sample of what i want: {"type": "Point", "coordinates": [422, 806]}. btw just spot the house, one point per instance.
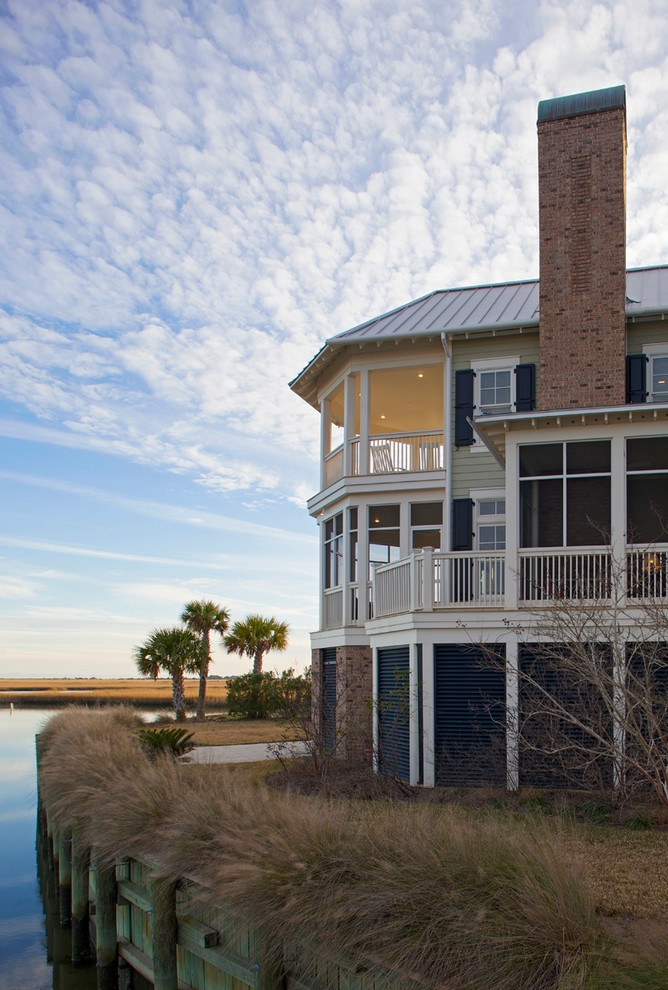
{"type": "Point", "coordinates": [486, 450]}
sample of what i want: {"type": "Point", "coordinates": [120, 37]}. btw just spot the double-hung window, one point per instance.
{"type": "Point", "coordinates": [334, 551]}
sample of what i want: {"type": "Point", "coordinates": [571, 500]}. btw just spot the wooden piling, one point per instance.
{"type": "Point", "coordinates": [65, 877]}
{"type": "Point", "coordinates": [105, 924]}
{"type": "Point", "coordinates": [80, 866]}
{"type": "Point", "coordinates": [165, 974]}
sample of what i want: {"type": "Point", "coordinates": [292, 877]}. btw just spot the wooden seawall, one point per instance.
{"type": "Point", "coordinates": [130, 921]}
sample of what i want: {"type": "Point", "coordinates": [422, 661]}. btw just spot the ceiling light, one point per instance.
{"type": "Point", "coordinates": [420, 375]}
{"type": "Point", "coordinates": [382, 417]}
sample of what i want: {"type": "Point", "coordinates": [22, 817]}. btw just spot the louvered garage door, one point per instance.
{"type": "Point", "coordinates": [394, 743]}
{"type": "Point", "coordinates": [329, 698]}
{"type": "Point", "coordinates": [470, 731]}
{"type": "Point", "coordinates": [553, 751]}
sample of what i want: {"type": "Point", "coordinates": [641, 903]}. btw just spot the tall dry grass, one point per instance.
{"type": "Point", "coordinates": [431, 893]}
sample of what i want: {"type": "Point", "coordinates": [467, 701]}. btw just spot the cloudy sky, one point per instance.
{"type": "Point", "coordinates": [194, 195]}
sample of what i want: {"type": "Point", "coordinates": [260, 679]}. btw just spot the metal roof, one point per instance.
{"type": "Point", "coordinates": [477, 308]}
{"type": "Point", "coordinates": [613, 98]}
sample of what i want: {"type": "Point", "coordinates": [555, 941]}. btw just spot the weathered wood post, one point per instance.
{"type": "Point", "coordinates": [163, 895]}
{"type": "Point", "coordinates": [105, 923]}
{"type": "Point", "coordinates": [80, 867]}
{"type": "Point", "coordinates": [65, 877]}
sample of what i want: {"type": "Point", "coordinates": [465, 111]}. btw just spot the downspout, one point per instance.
{"type": "Point", "coordinates": [447, 442]}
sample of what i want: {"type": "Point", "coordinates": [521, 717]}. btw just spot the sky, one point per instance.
{"type": "Point", "coordinates": [194, 196]}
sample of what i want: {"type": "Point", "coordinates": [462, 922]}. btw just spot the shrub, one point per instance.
{"type": "Point", "coordinates": [261, 695]}
{"type": "Point", "coordinates": [170, 740]}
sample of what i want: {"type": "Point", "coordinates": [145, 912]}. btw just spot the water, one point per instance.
{"type": "Point", "coordinates": [34, 955]}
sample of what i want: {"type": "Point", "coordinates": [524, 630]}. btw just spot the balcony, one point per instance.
{"type": "Point", "coordinates": [430, 581]}
{"type": "Point", "coordinates": [391, 453]}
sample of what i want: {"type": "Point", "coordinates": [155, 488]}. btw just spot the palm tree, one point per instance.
{"type": "Point", "coordinates": [203, 618]}
{"type": "Point", "coordinates": [176, 651]}
{"type": "Point", "coordinates": [256, 636]}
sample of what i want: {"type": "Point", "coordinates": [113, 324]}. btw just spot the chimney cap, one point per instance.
{"type": "Point", "coordinates": [595, 101]}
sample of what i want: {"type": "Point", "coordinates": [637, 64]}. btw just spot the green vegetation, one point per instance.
{"type": "Point", "coordinates": [176, 651]}
{"type": "Point", "coordinates": [170, 740]}
{"type": "Point", "coordinates": [261, 695]}
{"type": "Point", "coordinates": [203, 618]}
{"type": "Point", "coordinates": [256, 636]}
{"type": "Point", "coordinates": [436, 894]}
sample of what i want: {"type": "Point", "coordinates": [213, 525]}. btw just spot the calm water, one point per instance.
{"type": "Point", "coordinates": [34, 955]}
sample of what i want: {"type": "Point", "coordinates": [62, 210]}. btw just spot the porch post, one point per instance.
{"type": "Point", "coordinates": [512, 528]}
{"type": "Point", "coordinates": [350, 385]}
{"type": "Point", "coordinates": [325, 436]}
{"type": "Point", "coordinates": [428, 579]}
{"type": "Point", "coordinates": [364, 423]}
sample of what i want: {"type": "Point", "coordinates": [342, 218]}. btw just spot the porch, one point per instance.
{"type": "Point", "coordinates": [429, 580]}
{"type": "Point", "coordinates": [388, 453]}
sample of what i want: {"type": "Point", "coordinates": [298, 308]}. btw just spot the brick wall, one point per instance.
{"type": "Point", "coordinates": [354, 689]}
{"type": "Point", "coordinates": [581, 181]}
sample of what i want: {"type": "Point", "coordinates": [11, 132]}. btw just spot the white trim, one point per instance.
{"type": "Point", "coordinates": [480, 365]}
{"type": "Point", "coordinates": [652, 351]}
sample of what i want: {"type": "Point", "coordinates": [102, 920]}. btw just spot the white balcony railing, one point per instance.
{"type": "Point", "coordinates": [431, 580]}
{"type": "Point", "coordinates": [333, 467]}
{"type": "Point", "coordinates": [332, 613]}
{"type": "Point", "coordinates": [396, 453]}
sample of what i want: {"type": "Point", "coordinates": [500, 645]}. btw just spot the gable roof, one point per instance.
{"type": "Point", "coordinates": [478, 308]}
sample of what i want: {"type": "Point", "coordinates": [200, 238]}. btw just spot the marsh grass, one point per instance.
{"type": "Point", "coordinates": [436, 894]}
{"type": "Point", "coordinates": [136, 691]}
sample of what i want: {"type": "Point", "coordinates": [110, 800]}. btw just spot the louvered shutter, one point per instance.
{"type": "Point", "coordinates": [469, 716]}
{"type": "Point", "coordinates": [462, 524]}
{"type": "Point", "coordinates": [329, 699]}
{"type": "Point", "coordinates": [463, 408]}
{"type": "Point", "coordinates": [525, 387]}
{"type": "Point", "coordinates": [636, 378]}
{"type": "Point", "coordinates": [393, 721]}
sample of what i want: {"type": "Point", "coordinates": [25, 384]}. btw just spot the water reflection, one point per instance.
{"type": "Point", "coordinates": [34, 949]}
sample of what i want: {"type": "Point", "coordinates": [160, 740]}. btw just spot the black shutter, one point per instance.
{"type": "Point", "coordinates": [463, 408]}
{"type": "Point", "coordinates": [636, 378]}
{"type": "Point", "coordinates": [462, 524]}
{"type": "Point", "coordinates": [525, 387]}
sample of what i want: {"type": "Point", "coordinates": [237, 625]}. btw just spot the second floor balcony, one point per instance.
{"type": "Point", "coordinates": [389, 453]}
{"type": "Point", "coordinates": [429, 581]}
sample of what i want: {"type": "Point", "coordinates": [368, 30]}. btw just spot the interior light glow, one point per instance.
{"type": "Point", "coordinates": [420, 375]}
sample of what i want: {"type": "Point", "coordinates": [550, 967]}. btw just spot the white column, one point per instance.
{"type": "Point", "coordinates": [325, 436]}
{"type": "Point", "coordinates": [350, 385]}
{"type": "Point", "coordinates": [413, 723]}
{"type": "Point", "coordinates": [512, 715]}
{"type": "Point", "coordinates": [364, 422]}
{"type": "Point", "coordinates": [618, 509]}
{"type": "Point", "coordinates": [512, 526]}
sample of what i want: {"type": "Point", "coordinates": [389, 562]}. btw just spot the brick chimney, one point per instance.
{"type": "Point", "coordinates": [582, 215]}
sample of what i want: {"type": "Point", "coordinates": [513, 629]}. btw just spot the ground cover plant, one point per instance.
{"type": "Point", "coordinates": [443, 896]}
{"type": "Point", "coordinates": [48, 692]}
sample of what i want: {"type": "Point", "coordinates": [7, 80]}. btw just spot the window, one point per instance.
{"type": "Point", "coordinates": [494, 390]}
{"type": "Point", "coordinates": [657, 372]}
{"type": "Point", "coordinates": [659, 378]}
{"type": "Point", "coordinates": [647, 490]}
{"type": "Point", "coordinates": [426, 522]}
{"type": "Point", "coordinates": [353, 544]}
{"type": "Point", "coordinates": [565, 494]}
{"type": "Point", "coordinates": [490, 524]}
{"type": "Point", "coordinates": [333, 551]}
{"type": "Point", "coordinates": [383, 534]}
